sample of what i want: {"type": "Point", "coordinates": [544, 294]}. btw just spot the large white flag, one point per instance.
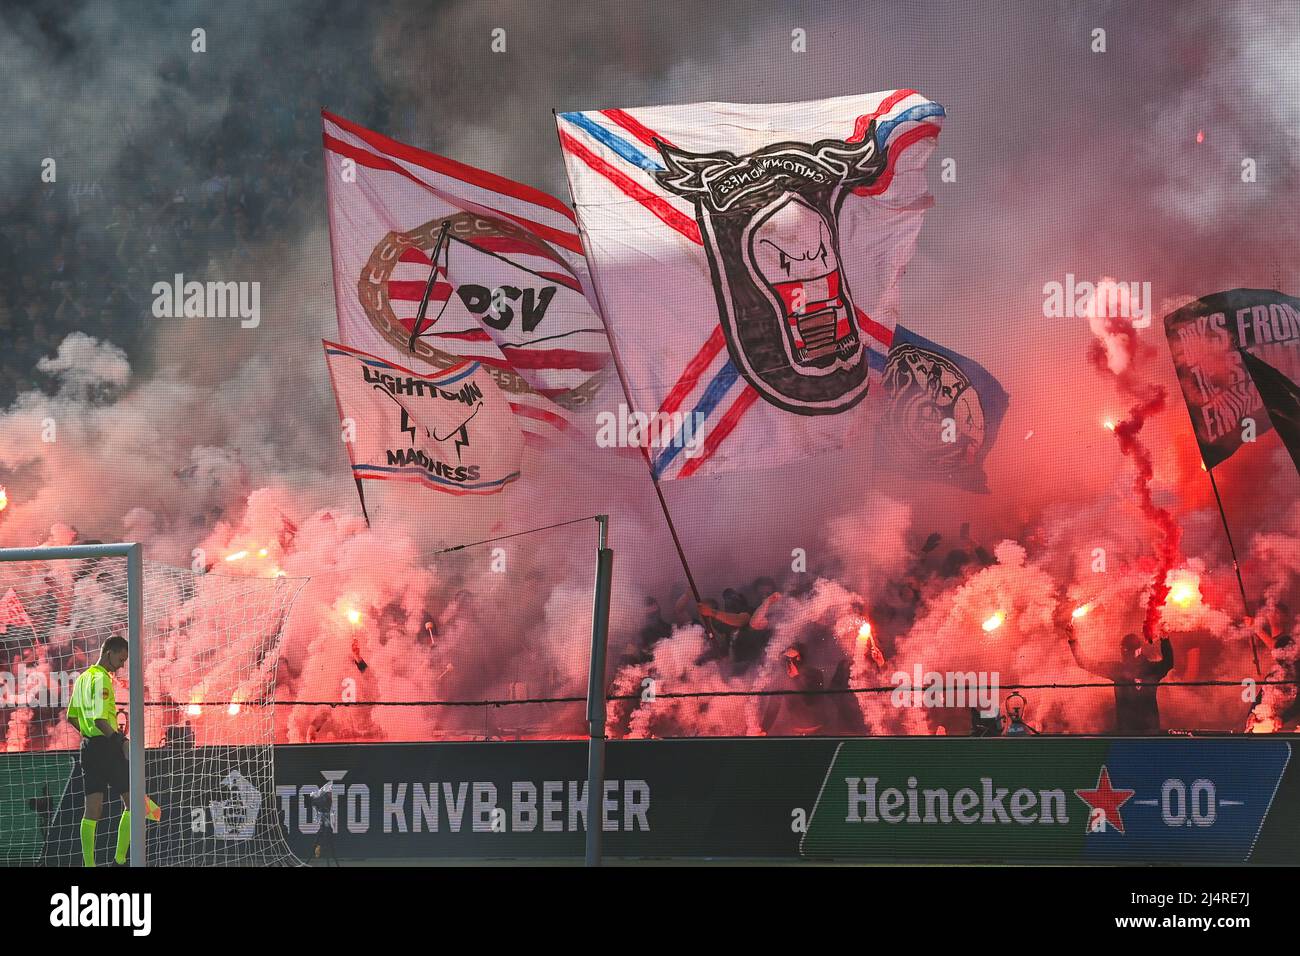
{"type": "Point", "coordinates": [747, 260]}
{"type": "Point", "coordinates": [451, 430]}
{"type": "Point", "coordinates": [510, 273]}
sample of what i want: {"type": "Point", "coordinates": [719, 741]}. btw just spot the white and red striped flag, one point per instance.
{"type": "Point", "coordinates": [509, 292]}
{"type": "Point", "coordinates": [748, 260]}
{"type": "Point", "coordinates": [12, 613]}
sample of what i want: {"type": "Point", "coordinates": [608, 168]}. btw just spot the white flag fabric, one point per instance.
{"type": "Point", "coordinates": [747, 260]}
{"type": "Point", "coordinates": [452, 430]}
{"type": "Point", "coordinates": [509, 290]}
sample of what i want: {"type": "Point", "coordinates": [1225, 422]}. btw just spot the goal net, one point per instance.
{"type": "Point", "coordinates": [209, 647]}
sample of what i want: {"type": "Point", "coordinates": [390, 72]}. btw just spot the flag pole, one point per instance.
{"type": "Point", "coordinates": [362, 495]}
{"type": "Point", "coordinates": [596, 691]}
{"type": "Point", "coordinates": [428, 287]}
{"type": "Point", "coordinates": [1236, 566]}
{"type": "Point", "coordinates": [654, 479]}
{"type": "Point", "coordinates": [1254, 647]}
{"type": "Point", "coordinates": [627, 394]}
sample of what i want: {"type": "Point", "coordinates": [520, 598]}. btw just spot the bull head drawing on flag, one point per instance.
{"type": "Point", "coordinates": [770, 224]}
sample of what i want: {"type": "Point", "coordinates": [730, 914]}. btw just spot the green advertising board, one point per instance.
{"type": "Point", "coordinates": [872, 800]}
{"type": "Point", "coordinates": [30, 787]}
{"type": "Point", "coordinates": [1082, 800]}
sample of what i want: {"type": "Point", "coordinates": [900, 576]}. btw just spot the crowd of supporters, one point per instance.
{"type": "Point", "coordinates": [811, 676]}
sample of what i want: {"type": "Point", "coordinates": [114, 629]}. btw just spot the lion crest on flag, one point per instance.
{"type": "Point", "coordinates": [928, 389]}
{"type": "Point", "coordinates": [770, 224]}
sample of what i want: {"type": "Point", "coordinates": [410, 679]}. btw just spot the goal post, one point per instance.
{"type": "Point", "coordinates": [135, 656]}
{"type": "Point", "coordinates": [203, 652]}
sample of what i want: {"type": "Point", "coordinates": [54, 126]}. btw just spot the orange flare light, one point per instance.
{"type": "Point", "coordinates": [1264, 725]}
{"type": "Point", "coordinates": [233, 709]}
{"type": "Point", "coordinates": [867, 645]}
{"type": "Point", "coordinates": [994, 621]}
{"type": "Point", "coordinates": [237, 556]}
{"type": "Point", "coordinates": [4, 498]}
{"type": "Point", "coordinates": [194, 710]}
{"type": "Point", "coordinates": [353, 616]}
{"type": "Point", "coordinates": [1081, 610]}
{"type": "Point", "coordinates": [1184, 589]}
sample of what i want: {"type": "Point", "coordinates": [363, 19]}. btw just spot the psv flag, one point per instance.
{"type": "Point", "coordinates": [747, 261]}
{"type": "Point", "coordinates": [450, 430]}
{"type": "Point", "coordinates": [509, 286]}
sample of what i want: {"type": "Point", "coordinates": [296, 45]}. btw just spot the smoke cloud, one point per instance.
{"type": "Point", "coordinates": [203, 439]}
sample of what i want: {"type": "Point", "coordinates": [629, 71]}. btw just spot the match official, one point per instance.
{"type": "Point", "coordinates": [104, 760]}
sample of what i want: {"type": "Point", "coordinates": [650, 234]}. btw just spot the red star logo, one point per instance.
{"type": "Point", "coordinates": [1106, 799]}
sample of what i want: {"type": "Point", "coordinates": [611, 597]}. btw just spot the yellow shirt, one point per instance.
{"type": "Point", "coordinates": [92, 700]}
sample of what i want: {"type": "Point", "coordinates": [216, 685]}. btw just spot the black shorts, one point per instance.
{"type": "Point", "coordinates": [104, 765]}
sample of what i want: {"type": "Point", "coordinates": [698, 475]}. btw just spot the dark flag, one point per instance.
{"type": "Point", "coordinates": [1207, 338]}
{"type": "Point", "coordinates": [1281, 398]}
{"type": "Point", "coordinates": [942, 412]}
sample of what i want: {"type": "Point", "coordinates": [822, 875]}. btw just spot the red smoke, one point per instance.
{"type": "Point", "coordinates": [1168, 554]}
{"type": "Point", "coordinates": [1116, 350]}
